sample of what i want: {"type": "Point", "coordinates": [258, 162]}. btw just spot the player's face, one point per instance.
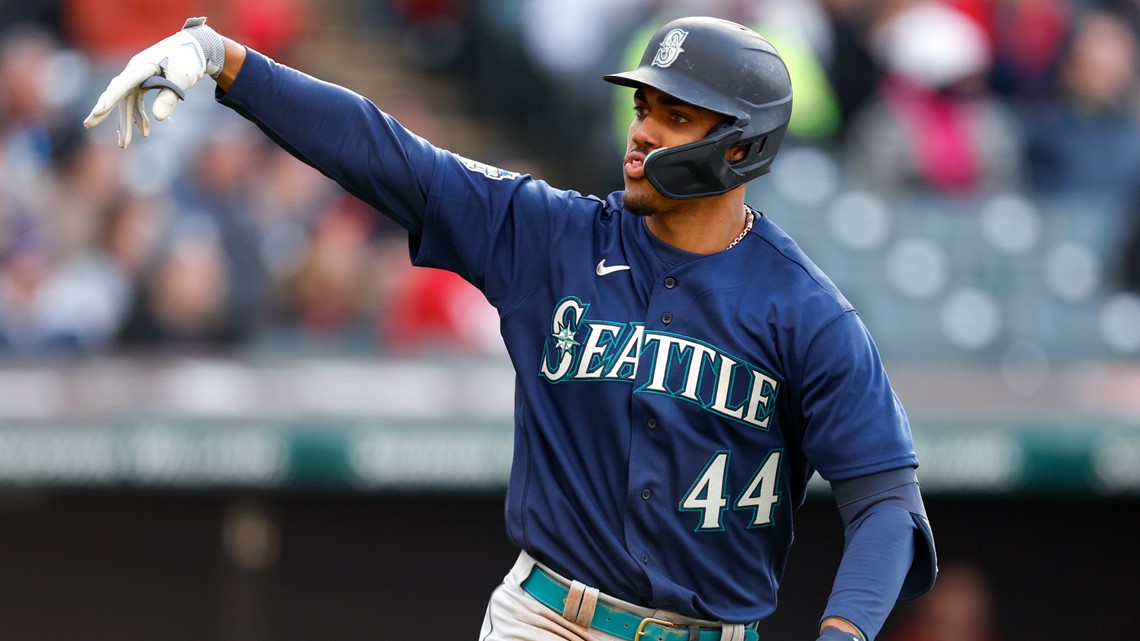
{"type": "Point", "coordinates": [659, 121]}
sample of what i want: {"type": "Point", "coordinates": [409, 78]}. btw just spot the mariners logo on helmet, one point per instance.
{"type": "Point", "coordinates": [670, 48]}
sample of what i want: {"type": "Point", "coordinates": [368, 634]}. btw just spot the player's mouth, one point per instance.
{"type": "Point", "coordinates": [635, 164]}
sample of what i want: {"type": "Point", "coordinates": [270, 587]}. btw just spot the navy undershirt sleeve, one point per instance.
{"type": "Point", "coordinates": [886, 548]}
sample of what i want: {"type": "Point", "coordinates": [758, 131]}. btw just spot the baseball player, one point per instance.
{"type": "Point", "coordinates": [682, 367]}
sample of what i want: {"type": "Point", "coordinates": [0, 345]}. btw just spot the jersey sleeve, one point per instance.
{"type": "Point", "coordinates": [338, 132]}
{"type": "Point", "coordinates": [490, 226]}
{"type": "Point", "coordinates": [854, 422]}
{"type": "Point", "coordinates": [493, 227]}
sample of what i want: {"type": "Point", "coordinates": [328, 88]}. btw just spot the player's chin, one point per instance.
{"type": "Point", "coordinates": [640, 198]}
{"type": "Point", "coordinates": [638, 184]}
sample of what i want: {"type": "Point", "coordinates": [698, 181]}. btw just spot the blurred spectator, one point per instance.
{"type": "Point", "coordinates": [288, 200]}
{"type": "Point", "coordinates": [220, 187]}
{"type": "Point", "coordinates": [569, 39]}
{"type": "Point", "coordinates": [958, 608]}
{"type": "Point", "coordinates": [45, 310]}
{"type": "Point", "coordinates": [28, 125]}
{"type": "Point", "coordinates": [132, 227]}
{"type": "Point", "coordinates": [852, 72]}
{"type": "Point", "coordinates": [934, 126]}
{"type": "Point", "coordinates": [1086, 141]}
{"type": "Point", "coordinates": [333, 287]}
{"type": "Point", "coordinates": [1027, 37]}
{"type": "Point", "coordinates": [83, 185]}
{"type": "Point", "coordinates": [431, 30]}
{"type": "Point", "coordinates": [183, 302]}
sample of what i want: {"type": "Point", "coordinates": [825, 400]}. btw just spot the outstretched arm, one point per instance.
{"type": "Point", "coordinates": [434, 194]}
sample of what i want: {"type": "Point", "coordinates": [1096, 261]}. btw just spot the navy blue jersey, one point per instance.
{"type": "Point", "coordinates": [670, 407]}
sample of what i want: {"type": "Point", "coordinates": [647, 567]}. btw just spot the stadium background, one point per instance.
{"type": "Point", "coordinates": [228, 410]}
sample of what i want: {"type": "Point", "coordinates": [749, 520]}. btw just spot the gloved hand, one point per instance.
{"type": "Point", "coordinates": [172, 66]}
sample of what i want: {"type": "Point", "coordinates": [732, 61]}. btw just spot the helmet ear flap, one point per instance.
{"type": "Point", "coordinates": [748, 150]}
{"type": "Point", "coordinates": [753, 156]}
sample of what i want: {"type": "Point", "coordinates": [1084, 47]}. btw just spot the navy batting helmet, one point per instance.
{"type": "Point", "coordinates": [726, 68]}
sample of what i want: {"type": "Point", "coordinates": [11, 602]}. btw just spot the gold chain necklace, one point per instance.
{"type": "Point", "coordinates": [747, 228]}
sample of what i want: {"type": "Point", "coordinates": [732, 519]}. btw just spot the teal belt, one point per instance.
{"type": "Point", "coordinates": [625, 625]}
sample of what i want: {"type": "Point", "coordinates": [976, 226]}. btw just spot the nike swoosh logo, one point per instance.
{"type": "Point", "coordinates": [604, 269]}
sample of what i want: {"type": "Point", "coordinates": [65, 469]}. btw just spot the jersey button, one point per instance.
{"type": "Point", "coordinates": [644, 558]}
{"type": "Point", "coordinates": [670, 283]}
{"type": "Point", "coordinates": [666, 318]}
{"type": "Point", "coordinates": [646, 493]}
{"type": "Point", "coordinates": [651, 423]}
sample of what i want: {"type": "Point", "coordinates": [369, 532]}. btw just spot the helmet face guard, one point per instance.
{"type": "Point", "coordinates": [693, 170]}
{"type": "Point", "coordinates": [728, 69]}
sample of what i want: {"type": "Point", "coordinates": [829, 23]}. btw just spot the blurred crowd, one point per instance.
{"type": "Point", "coordinates": [215, 239]}
{"type": "Point", "coordinates": [208, 239]}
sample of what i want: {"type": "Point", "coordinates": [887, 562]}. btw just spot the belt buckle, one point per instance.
{"type": "Point", "coordinates": [641, 626]}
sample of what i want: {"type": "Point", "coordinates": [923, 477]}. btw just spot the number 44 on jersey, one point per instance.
{"type": "Point", "coordinates": [709, 494]}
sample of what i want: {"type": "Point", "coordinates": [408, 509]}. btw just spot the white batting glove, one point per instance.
{"type": "Point", "coordinates": [172, 66]}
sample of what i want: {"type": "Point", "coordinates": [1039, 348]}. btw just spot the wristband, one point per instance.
{"type": "Point", "coordinates": [835, 634]}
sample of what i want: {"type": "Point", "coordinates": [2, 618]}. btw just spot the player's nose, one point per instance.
{"type": "Point", "coordinates": [642, 133]}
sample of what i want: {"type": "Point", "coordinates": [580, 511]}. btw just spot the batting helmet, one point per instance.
{"type": "Point", "coordinates": [726, 68]}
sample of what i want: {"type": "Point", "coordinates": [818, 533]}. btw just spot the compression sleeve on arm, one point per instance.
{"type": "Point", "coordinates": [338, 132]}
{"type": "Point", "coordinates": [889, 549]}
